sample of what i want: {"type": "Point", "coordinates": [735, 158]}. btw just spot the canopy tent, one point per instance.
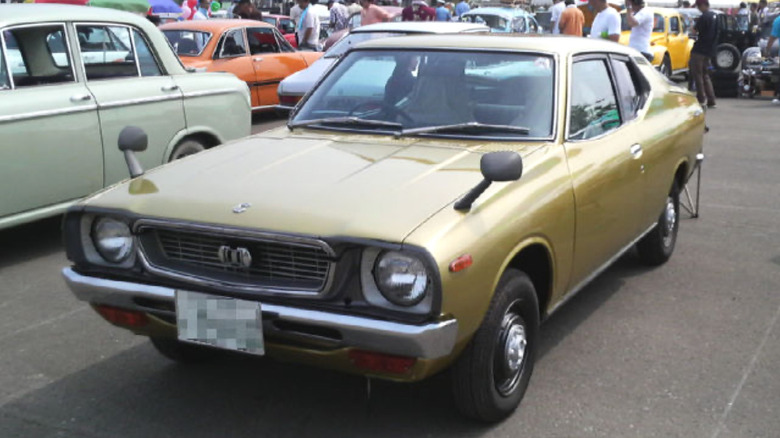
{"type": "Point", "coordinates": [164, 7]}
{"type": "Point", "coordinates": [141, 6]}
{"type": "Point", "coordinates": [65, 2]}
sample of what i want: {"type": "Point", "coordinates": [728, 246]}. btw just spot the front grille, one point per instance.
{"type": "Point", "coordinates": [246, 262]}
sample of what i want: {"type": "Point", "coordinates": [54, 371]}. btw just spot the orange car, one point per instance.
{"type": "Point", "coordinates": [252, 50]}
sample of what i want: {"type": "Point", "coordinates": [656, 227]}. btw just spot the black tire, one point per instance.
{"type": "Point", "coordinates": [185, 148]}
{"type": "Point", "coordinates": [666, 66]}
{"type": "Point", "coordinates": [657, 246]}
{"type": "Point", "coordinates": [490, 377]}
{"type": "Point", "coordinates": [182, 352]}
{"type": "Point", "coordinates": [727, 58]}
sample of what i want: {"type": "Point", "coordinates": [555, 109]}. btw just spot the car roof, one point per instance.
{"type": "Point", "coordinates": [14, 14]}
{"type": "Point", "coordinates": [510, 12]}
{"type": "Point", "coordinates": [562, 45]}
{"type": "Point", "coordinates": [420, 26]}
{"type": "Point", "coordinates": [214, 26]}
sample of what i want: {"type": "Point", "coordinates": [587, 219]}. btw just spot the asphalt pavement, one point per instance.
{"type": "Point", "coordinates": [689, 349]}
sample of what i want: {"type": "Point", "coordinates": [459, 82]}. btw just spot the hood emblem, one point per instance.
{"type": "Point", "coordinates": [235, 257]}
{"type": "Point", "coordinates": [242, 207]}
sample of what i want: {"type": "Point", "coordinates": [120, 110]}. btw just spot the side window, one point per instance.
{"type": "Point", "coordinates": [287, 26]}
{"type": "Point", "coordinates": [674, 25]}
{"type": "Point", "coordinates": [262, 40]}
{"type": "Point", "coordinates": [593, 109]}
{"type": "Point", "coordinates": [5, 81]}
{"type": "Point", "coordinates": [38, 56]}
{"type": "Point", "coordinates": [658, 23]}
{"type": "Point", "coordinates": [146, 60]}
{"type": "Point", "coordinates": [232, 44]}
{"type": "Point", "coordinates": [532, 26]}
{"type": "Point", "coordinates": [107, 52]}
{"type": "Point", "coordinates": [632, 88]}
{"type": "Point", "coordinates": [518, 25]}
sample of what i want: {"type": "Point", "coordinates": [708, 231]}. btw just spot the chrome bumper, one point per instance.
{"type": "Point", "coordinates": [428, 341]}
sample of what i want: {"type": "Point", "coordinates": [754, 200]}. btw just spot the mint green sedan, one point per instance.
{"type": "Point", "coordinates": [71, 78]}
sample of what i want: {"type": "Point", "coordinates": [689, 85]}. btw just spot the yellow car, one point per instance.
{"type": "Point", "coordinates": [396, 228]}
{"type": "Point", "coordinates": [669, 42]}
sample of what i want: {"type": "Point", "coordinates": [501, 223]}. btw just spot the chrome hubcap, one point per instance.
{"type": "Point", "coordinates": [724, 59]}
{"type": "Point", "coordinates": [670, 221]}
{"type": "Point", "coordinates": [515, 347]}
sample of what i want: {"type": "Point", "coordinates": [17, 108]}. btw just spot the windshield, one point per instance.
{"type": "Point", "coordinates": [494, 22]}
{"type": "Point", "coordinates": [354, 38]}
{"type": "Point", "coordinates": [187, 42]}
{"type": "Point", "coordinates": [396, 92]}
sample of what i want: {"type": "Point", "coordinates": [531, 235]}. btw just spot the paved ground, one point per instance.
{"type": "Point", "coordinates": [686, 350]}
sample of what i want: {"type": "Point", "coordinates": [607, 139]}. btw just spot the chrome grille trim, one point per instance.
{"type": "Point", "coordinates": [283, 258]}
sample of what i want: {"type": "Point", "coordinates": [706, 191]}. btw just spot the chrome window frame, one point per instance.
{"type": "Point", "coordinates": [150, 47]}
{"type": "Point", "coordinates": [130, 28]}
{"type": "Point", "coordinates": [6, 64]}
{"type": "Point", "coordinates": [176, 52]}
{"type": "Point", "coordinates": [577, 57]}
{"type": "Point", "coordinates": [68, 51]}
{"type": "Point", "coordinates": [556, 59]}
{"type": "Point", "coordinates": [218, 47]}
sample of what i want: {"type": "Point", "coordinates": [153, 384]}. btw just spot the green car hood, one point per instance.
{"type": "Point", "coordinates": [308, 183]}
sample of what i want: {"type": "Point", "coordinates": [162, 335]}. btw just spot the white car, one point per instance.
{"type": "Point", "coordinates": [295, 86]}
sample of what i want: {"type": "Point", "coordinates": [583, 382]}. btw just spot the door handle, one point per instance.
{"type": "Point", "coordinates": [636, 150]}
{"type": "Point", "coordinates": [80, 98]}
{"type": "Point", "coordinates": [257, 59]}
{"type": "Point", "coordinates": [169, 87]}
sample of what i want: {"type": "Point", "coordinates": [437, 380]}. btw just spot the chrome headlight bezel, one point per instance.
{"type": "Point", "coordinates": [97, 255]}
{"type": "Point", "coordinates": [372, 293]}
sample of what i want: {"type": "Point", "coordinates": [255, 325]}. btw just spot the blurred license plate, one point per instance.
{"type": "Point", "coordinates": [220, 322]}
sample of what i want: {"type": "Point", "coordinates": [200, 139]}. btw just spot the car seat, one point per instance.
{"type": "Point", "coordinates": [438, 97]}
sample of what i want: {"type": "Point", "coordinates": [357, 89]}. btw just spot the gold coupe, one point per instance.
{"type": "Point", "coordinates": [427, 206]}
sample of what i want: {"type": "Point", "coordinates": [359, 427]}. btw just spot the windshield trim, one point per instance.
{"type": "Point", "coordinates": [554, 131]}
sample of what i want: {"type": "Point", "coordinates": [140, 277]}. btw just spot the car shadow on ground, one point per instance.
{"type": "Point", "coordinates": [30, 241]}
{"type": "Point", "coordinates": [139, 393]}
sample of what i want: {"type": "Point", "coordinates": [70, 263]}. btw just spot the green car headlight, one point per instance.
{"type": "Point", "coordinates": [112, 239]}
{"type": "Point", "coordinates": [401, 278]}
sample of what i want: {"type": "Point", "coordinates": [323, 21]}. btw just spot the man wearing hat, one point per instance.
{"type": "Point", "coordinates": [339, 16]}
{"type": "Point", "coordinates": [706, 31]}
{"type": "Point", "coordinates": [442, 13]}
{"type": "Point", "coordinates": [423, 12]}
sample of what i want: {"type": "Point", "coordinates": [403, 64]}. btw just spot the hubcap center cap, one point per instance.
{"type": "Point", "coordinates": [515, 347]}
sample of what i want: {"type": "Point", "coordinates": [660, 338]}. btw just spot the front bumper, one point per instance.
{"type": "Point", "coordinates": [427, 341]}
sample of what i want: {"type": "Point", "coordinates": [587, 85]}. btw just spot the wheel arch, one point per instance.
{"type": "Point", "coordinates": [681, 173]}
{"type": "Point", "coordinates": [535, 258]}
{"type": "Point", "coordinates": [208, 137]}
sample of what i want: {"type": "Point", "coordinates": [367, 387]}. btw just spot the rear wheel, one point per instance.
{"type": "Point", "coordinates": [185, 148]}
{"type": "Point", "coordinates": [666, 66]}
{"type": "Point", "coordinates": [491, 375]}
{"type": "Point", "coordinates": [657, 246]}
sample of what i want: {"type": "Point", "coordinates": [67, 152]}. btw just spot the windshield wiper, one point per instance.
{"type": "Point", "coordinates": [356, 121]}
{"type": "Point", "coordinates": [467, 127]}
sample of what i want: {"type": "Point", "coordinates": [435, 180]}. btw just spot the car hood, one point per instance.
{"type": "Point", "coordinates": [310, 183]}
{"type": "Point", "coordinates": [299, 83]}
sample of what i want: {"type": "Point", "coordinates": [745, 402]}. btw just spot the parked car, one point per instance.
{"type": "Point", "coordinates": [503, 19]}
{"type": "Point", "coordinates": [733, 39]}
{"type": "Point", "coordinates": [429, 203]}
{"type": "Point", "coordinates": [294, 87]}
{"type": "Point", "coordinates": [285, 25]}
{"type": "Point", "coordinates": [669, 41]}
{"type": "Point", "coordinates": [70, 79]}
{"type": "Point", "coordinates": [252, 50]}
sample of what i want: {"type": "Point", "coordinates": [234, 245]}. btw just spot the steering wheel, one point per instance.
{"type": "Point", "coordinates": [382, 106]}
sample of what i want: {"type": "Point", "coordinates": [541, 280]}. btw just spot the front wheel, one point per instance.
{"type": "Point", "coordinates": [490, 377]}
{"type": "Point", "coordinates": [657, 246]}
{"type": "Point", "coordinates": [185, 148]}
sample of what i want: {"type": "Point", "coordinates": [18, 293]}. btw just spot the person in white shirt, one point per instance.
{"type": "Point", "coordinates": [606, 25]}
{"type": "Point", "coordinates": [308, 30]}
{"type": "Point", "coordinates": [555, 15]}
{"type": "Point", "coordinates": [640, 20]}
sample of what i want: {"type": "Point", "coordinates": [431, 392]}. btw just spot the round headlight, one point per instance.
{"type": "Point", "coordinates": [401, 278]}
{"type": "Point", "coordinates": [112, 239]}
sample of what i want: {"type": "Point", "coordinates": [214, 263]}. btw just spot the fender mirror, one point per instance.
{"type": "Point", "coordinates": [133, 139]}
{"type": "Point", "coordinates": [500, 166]}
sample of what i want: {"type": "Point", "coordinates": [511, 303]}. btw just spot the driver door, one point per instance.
{"type": "Point", "coordinates": [273, 59]}
{"type": "Point", "coordinates": [232, 56]}
{"type": "Point", "coordinates": [678, 43]}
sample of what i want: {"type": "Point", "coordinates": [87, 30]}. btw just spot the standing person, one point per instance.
{"type": "Point", "coordinates": [203, 7]}
{"type": "Point", "coordinates": [339, 16]}
{"type": "Point", "coordinates": [572, 19]}
{"type": "Point", "coordinates": [461, 8]}
{"type": "Point", "coordinates": [606, 25]}
{"type": "Point", "coordinates": [706, 31]}
{"type": "Point", "coordinates": [555, 15]}
{"type": "Point", "coordinates": [407, 13]}
{"type": "Point", "coordinates": [442, 13]}
{"type": "Point", "coordinates": [762, 10]}
{"type": "Point", "coordinates": [308, 29]}
{"type": "Point", "coordinates": [774, 36]}
{"type": "Point", "coordinates": [640, 20]}
{"type": "Point", "coordinates": [246, 10]}
{"type": "Point", "coordinates": [372, 13]}
{"type": "Point", "coordinates": [423, 12]}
